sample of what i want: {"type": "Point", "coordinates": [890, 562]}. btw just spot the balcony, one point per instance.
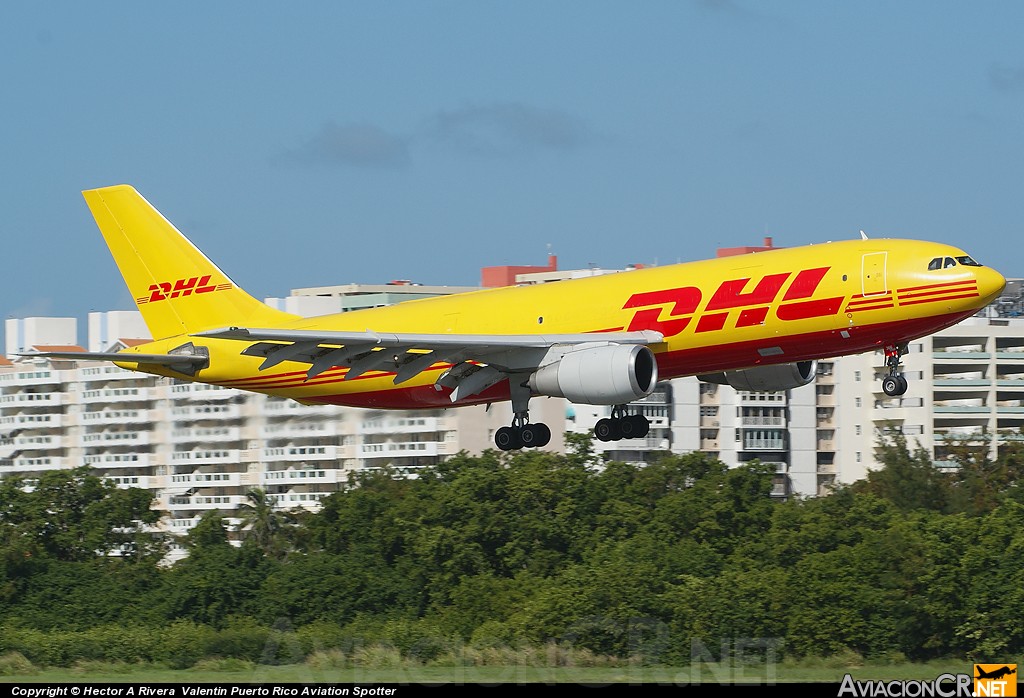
{"type": "Point", "coordinates": [216, 411]}
{"type": "Point", "coordinates": [126, 481]}
{"type": "Point", "coordinates": [198, 479]}
{"type": "Point", "coordinates": [299, 477]}
{"type": "Point", "coordinates": [116, 395]}
{"type": "Point", "coordinates": [205, 503]}
{"type": "Point", "coordinates": [409, 425]}
{"type": "Point", "coordinates": [299, 429]}
{"type": "Point", "coordinates": [119, 460]}
{"type": "Point", "coordinates": [954, 356]}
{"type": "Point", "coordinates": [762, 421]}
{"type": "Point", "coordinates": [206, 434]}
{"type": "Point", "coordinates": [22, 464]}
{"type": "Point", "coordinates": [31, 421]}
{"type": "Point", "coordinates": [206, 457]}
{"type": "Point", "coordinates": [755, 398]}
{"type": "Point", "coordinates": [32, 400]}
{"type": "Point", "coordinates": [298, 499]}
{"type": "Point", "coordinates": [107, 417]}
{"type": "Point", "coordinates": [26, 378]}
{"type": "Point", "coordinates": [764, 444]}
{"type": "Point", "coordinates": [300, 453]}
{"type": "Point", "coordinates": [29, 443]}
{"type": "Point", "coordinates": [107, 373]}
{"type": "Point", "coordinates": [398, 449]}
{"type": "Point", "coordinates": [115, 438]}
{"type": "Point", "coordinates": [202, 391]}
{"type": "Point", "coordinates": [288, 408]}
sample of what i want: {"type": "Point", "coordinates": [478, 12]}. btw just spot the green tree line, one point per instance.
{"type": "Point", "coordinates": [657, 562]}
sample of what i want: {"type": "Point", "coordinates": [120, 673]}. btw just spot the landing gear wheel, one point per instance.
{"type": "Point", "coordinates": [894, 386]}
{"type": "Point", "coordinates": [634, 426]}
{"type": "Point", "coordinates": [508, 438]}
{"type": "Point", "coordinates": [535, 435]}
{"type": "Point", "coordinates": [608, 429]}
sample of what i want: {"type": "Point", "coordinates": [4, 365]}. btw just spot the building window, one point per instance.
{"type": "Point", "coordinates": [858, 456]}
{"type": "Point", "coordinates": [856, 402]}
{"type": "Point", "coordinates": [856, 376]}
{"type": "Point", "coordinates": [858, 430]}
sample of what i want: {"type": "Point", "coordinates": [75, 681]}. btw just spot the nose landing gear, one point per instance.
{"type": "Point", "coordinates": [894, 384]}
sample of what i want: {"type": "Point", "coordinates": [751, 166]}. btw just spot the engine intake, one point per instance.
{"type": "Point", "coordinates": [765, 378]}
{"type": "Point", "coordinates": [611, 374]}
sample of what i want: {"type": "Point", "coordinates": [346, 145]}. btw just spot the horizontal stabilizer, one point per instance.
{"type": "Point", "coordinates": [182, 363]}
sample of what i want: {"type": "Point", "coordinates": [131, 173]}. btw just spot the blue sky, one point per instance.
{"type": "Point", "coordinates": [315, 143]}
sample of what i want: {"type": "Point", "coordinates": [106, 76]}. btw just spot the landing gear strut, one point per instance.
{"type": "Point", "coordinates": [521, 433]}
{"type": "Point", "coordinates": [622, 425]}
{"type": "Point", "coordinates": [894, 384]}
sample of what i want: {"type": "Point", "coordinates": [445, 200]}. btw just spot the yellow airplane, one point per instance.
{"type": "Point", "coordinates": [756, 322]}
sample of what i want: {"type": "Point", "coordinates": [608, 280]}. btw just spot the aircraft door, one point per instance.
{"type": "Point", "coordinates": [873, 273]}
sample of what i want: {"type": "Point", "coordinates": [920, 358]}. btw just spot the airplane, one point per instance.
{"type": "Point", "coordinates": [757, 322]}
{"type": "Point", "coordinates": [996, 673]}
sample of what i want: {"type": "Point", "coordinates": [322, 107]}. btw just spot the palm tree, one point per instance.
{"type": "Point", "coordinates": [262, 524]}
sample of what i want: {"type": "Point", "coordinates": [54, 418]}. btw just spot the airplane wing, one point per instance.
{"type": "Point", "coordinates": [476, 361]}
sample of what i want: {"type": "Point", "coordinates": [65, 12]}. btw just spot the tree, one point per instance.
{"type": "Point", "coordinates": [263, 525]}
{"type": "Point", "coordinates": [908, 480]}
{"type": "Point", "coordinates": [73, 515]}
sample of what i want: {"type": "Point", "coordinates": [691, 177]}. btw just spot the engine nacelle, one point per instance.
{"type": "Point", "coordinates": [765, 378]}
{"type": "Point", "coordinates": [611, 374]}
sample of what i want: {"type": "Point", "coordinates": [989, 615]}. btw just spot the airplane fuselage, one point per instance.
{"type": "Point", "coordinates": [772, 307]}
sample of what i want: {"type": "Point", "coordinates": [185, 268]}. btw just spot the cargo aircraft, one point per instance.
{"type": "Point", "coordinates": [756, 322]}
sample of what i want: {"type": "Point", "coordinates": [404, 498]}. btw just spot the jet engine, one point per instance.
{"type": "Point", "coordinates": [610, 374]}
{"type": "Point", "coordinates": [765, 378]}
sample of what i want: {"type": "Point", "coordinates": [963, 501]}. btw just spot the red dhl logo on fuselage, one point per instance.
{"type": "Point", "coordinates": [732, 299]}
{"type": "Point", "coordinates": [750, 308]}
{"type": "Point", "coordinates": [181, 287]}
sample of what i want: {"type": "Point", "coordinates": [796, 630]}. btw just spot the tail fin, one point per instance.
{"type": "Point", "coordinates": [177, 289]}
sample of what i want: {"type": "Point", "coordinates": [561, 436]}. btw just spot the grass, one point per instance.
{"type": "Point", "coordinates": [325, 671]}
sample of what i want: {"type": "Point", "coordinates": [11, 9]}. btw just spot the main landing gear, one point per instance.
{"type": "Point", "coordinates": [622, 425]}
{"type": "Point", "coordinates": [894, 384]}
{"type": "Point", "coordinates": [522, 434]}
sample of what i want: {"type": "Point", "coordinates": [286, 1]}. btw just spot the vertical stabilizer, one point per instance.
{"type": "Point", "coordinates": [177, 289]}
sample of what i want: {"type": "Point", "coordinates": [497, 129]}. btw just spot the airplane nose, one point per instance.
{"type": "Point", "coordinates": [990, 283]}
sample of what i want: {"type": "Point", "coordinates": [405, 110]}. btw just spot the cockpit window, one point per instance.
{"type": "Point", "coordinates": [950, 262]}
{"type": "Point", "coordinates": [967, 261]}
{"type": "Point", "coordinates": [935, 264]}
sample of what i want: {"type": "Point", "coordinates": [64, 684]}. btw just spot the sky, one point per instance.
{"type": "Point", "coordinates": [319, 143]}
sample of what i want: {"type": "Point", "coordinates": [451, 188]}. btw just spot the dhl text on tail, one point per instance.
{"type": "Point", "coordinates": [756, 322]}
